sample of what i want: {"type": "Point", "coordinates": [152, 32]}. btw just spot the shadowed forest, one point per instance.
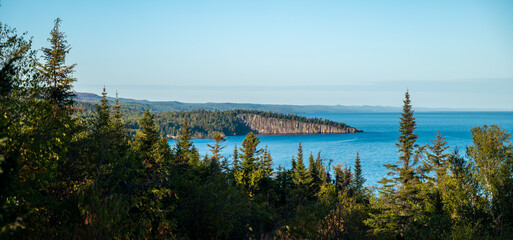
{"type": "Point", "coordinates": [64, 176]}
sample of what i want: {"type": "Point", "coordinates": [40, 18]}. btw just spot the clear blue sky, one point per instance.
{"type": "Point", "coordinates": [447, 53]}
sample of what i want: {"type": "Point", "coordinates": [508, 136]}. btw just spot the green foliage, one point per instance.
{"type": "Point", "coordinates": [58, 76]}
{"type": "Point", "coordinates": [185, 153]}
{"type": "Point", "coordinates": [299, 171]}
{"type": "Point", "coordinates": [397, 213]}
{"type": "Point", "coordinates": [492, 156]}
{"type": "Point", "coordinates": [70, 175]}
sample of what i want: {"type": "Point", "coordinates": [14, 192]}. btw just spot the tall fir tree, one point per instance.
{"type": "Point", "coordinates": [400, 201]}
{"type": "Point", "coordinates": [299, 172]}
{"type": "Point", "coordinates": [185, 153]}
{"type": "Point", "coordinates": [250, 173]}
{"type": "Point", "coordinates": [216, 150]}
{"type": "Point", "coordinates": [236, 160]}
{"type": "Point", "coordinates": [267, 163]}
{"type": "Point", "coordinates": [58, 76]}
{"type": "Point", "coordinates": [152, 148]}
{"type": "Point", "coordinates": [101, 130]}
{"type": "Point", "coordinates": [358, 178]}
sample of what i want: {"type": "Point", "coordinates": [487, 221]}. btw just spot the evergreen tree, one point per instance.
{"type": "Point", "coordinates": [299, 172]}
{"type": "Point", "coordinates": [147, 136]}
{"type": "Point", "coordinates": [359, 180]}
{"type": "Point", "coordinates": [399, 196]}
{"type": "Point", "coordinates": [152, 148]}
{"type": "Point", "coordinates": [250, 172]}
{"type": "Point", "coordinates": [267, 163]}
{"type": "Point", "coordinates": [313, 178]}
{"type": "Point", "coordinates": [119, 130]}
{"type": "Point", "coordinates": [436, 157]}
{"type": "Point", "coordinates": [216, 149]}
{"type": "Point", "coordinates": [117, 108]}
{"type": "Point", "coordinates": [249, 152]}
{"type": "Point", "coordinates": [236, 160]}
{"type": "Point", "coordinates": [55, 72]}
{"type": "Point", "coordinates": [185, 153]}
{"type": "Point", "coordinates": [436, 186]}
{"type": "Point", "coordinates": [407, 138]}
{"type": "Point", "coordinates": [102, 133]}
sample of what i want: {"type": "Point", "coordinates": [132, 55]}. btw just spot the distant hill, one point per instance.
{"type": "Point", "coordinates": [170, 106]}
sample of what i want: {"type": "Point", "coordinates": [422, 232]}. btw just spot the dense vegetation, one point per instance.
{"type": "Point", "coordinates": [66, 177]}
{"type": "Point", "coordinates": [203, 123]}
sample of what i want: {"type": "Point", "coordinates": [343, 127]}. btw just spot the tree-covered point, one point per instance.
{"type": "Point", "coordinates": [205, 123]}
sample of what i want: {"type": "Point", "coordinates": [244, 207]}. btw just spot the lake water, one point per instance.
{"type": "Point", "coordinates": [376, 144]}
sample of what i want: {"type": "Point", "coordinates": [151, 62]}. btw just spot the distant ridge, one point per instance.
{"type": "Point", "coordinates": [169, 106]}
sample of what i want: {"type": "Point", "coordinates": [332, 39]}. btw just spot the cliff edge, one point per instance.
{"type": "Point", "coordinates": [275, 126]}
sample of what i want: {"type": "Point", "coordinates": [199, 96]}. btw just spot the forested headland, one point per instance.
{"type": "Point", "coordinates": [206, 123]}
{"type": "Point", "coordinates": [65, 176]}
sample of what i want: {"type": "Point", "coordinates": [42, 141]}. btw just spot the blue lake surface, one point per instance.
{"type": "Point", "coordinates": [376, 145]}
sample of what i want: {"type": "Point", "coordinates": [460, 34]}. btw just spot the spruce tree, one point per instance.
{"type": "Point", "coordinates": [216, 148]}
{"type": "Point", "coordinates": [358, 178]}
{"type": "Point", "coordinates": [101, 131]}
{"type": "Point", "coordinates": [437, 158]}
{"type": "Point", "coordinates": [267, 162]}
{"type": "Point", "coordinates": [117, 108]}
{"type": "Point", "coordinates": [407, 138]}
{"type": "Point", "coordinates": [249, 152]}
{"type": "Point", "coordinates": [250, 173]}
{"type": "Point", "coordinates": [313, 178]}
{"type": "Point", "coordinates": [185, 152]}
{"type": "Point", "coordinates": [120, 132]}
{"type": "Point", "coordinates": [57, 75]}
{"type": "Point", "coordinates": [236, 160]}
{"type": "Point", "coordinates": [299, 173]}
{"type": "Point", "coordinates": [147, 136]}
{"type": "Point", "coordinates": [399, 195]}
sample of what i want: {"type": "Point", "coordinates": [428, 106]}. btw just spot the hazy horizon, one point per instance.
{"type": "Point", "coordinates": [455, 54]}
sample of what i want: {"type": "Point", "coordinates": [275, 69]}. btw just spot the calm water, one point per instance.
{"type": "Point", "coordinates": [376, 144]}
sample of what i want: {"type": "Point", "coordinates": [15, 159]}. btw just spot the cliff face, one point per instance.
{"type": "Point", "coordinates": [271, 126]}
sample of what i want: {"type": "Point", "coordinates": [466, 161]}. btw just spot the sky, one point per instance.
{"type": "Point", "coordinates": [450, 54]}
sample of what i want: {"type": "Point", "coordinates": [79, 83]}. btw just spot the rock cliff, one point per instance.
{"type": "Point", "coordinates": [275, 126]}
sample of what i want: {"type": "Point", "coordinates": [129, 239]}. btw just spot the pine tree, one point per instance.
{"type": "Point", "coordinates": [55, 72]}
{"type": "Point", "coordinates": [120, 132]}
{"type": "Point", "coordinates": [437, 157]}
{"type": "Point", "coordinates": [236, 160]}
{"type": "Point", "coordinates": [299, 173]}
{"type": "Point", "coordinates": [250, 173]}
{"type": "Point", "coordinates": [152, 148]}
{"type": "Point", "coordinates": [215, 150]}
{"type": "Point", "coordinates": [249, 152]}
{"type": "Point", "coordinates": [185, 152]}
{"type": "Point", "coordinates": [436, 189]}
{"type": "Point", "coordinates": [400, 200]}
{"type": "Point", "coordinates": [267, 163]}
{"type": "Point", "coordinates": [313, 178]}
{"type": "Point", "coordinates": [117, 109]}
{"type": "Point", "coordinates": [407, 138]}
{"type": "Point", "coordinates": [101, 131]}
{"type": "Point", "coordinates": [359, 180]}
